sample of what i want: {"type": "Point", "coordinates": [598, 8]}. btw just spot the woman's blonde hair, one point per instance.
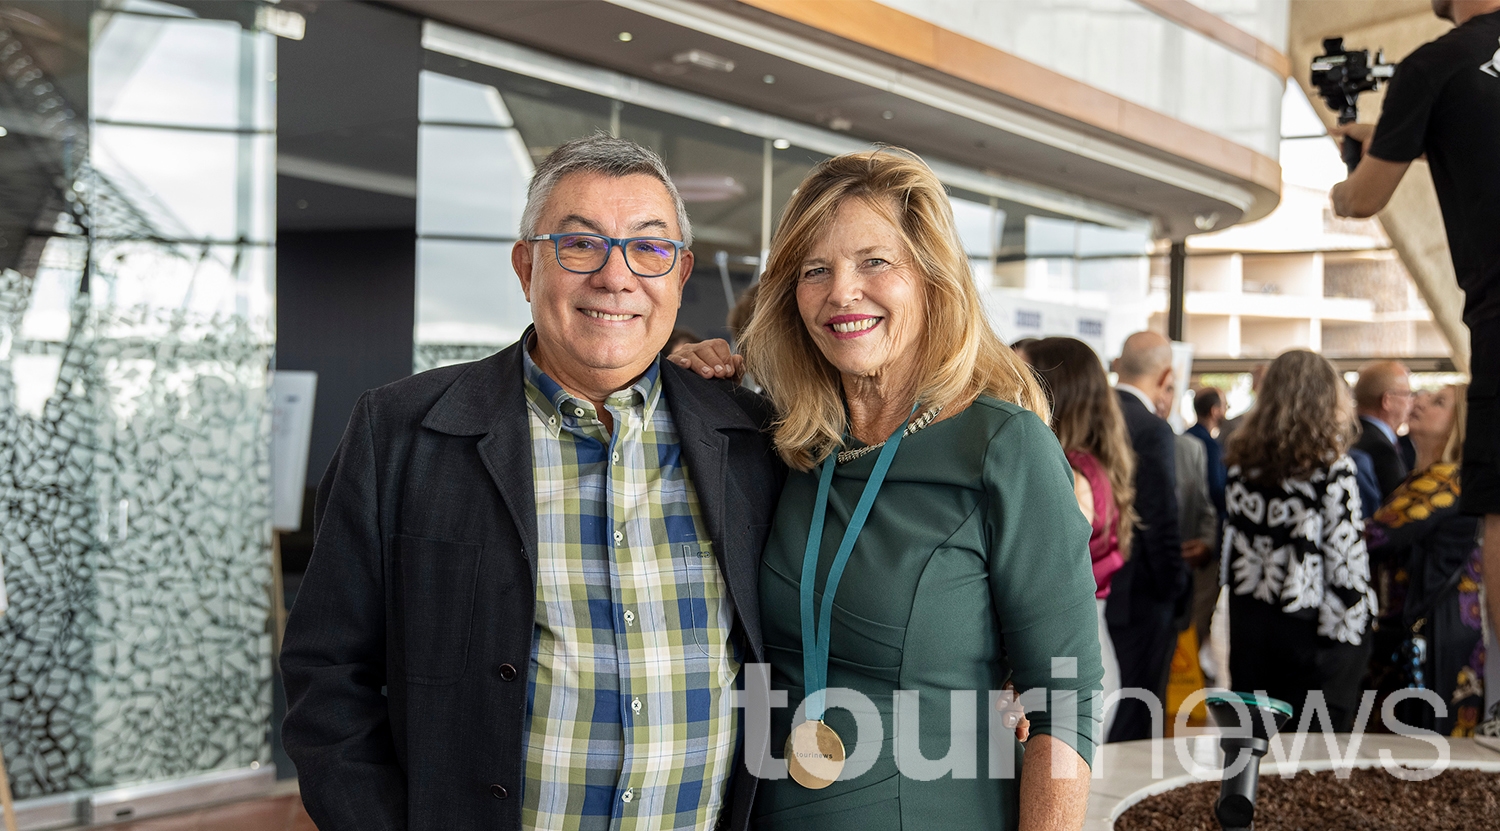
{"type": "Point", "coordinates": [1302, 421]}
{"type": "Point", "coordinates": [958, 356]}
{"type": "Point", "coordinates": [1453, 450]}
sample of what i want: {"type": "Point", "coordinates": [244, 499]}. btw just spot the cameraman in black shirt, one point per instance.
{"type": "Point", "coordinates": [1444, 101]}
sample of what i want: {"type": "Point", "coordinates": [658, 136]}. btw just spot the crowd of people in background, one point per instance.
{"type": "Point", "coordinates": [1320, 530]}
{"type": "Point", "coordinates": [1329, 516]}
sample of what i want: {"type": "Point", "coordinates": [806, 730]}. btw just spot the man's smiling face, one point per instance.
{"type": "Point", "coordinates": [596, 332]}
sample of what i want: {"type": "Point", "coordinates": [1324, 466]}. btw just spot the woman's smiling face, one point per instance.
{"type": "Point", "coordinates": [860, 294]}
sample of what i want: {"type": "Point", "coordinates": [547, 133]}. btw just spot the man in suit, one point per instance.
{"type": "Point", "coordinates": [1209, 407]}
{"type": "Point", "coordinates": [534, 576]}
{"type": "Point", "coordinates": [1146, 593]}
{"type": "Point", "coordinates": [1382, 397]}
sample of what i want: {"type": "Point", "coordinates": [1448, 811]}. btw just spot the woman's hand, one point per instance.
{"type": "Point", "coordinates": [1012, 714]}
{"type": "Point", "coordinates": [709, 358]}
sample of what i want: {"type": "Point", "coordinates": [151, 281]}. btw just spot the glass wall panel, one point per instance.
{"type": "Point", "coordinates": [1266, 19]}
{"type": "Point", "coordinates": [1127, 50]}
{"type": "Point", "coordinates": [1089, 278]}
{"type": "Point", "coordinates": [481, 132]}
{"type": "Point", "coordinates": [136, 326]}
{"type": "Point", "coordinates": [720, 174]}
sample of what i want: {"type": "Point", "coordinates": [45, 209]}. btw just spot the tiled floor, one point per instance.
{"type": "Point", "coordinates": [275, 813]}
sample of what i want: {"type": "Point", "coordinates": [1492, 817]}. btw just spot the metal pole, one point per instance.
{"type": "Point", "coordinates": [767, 178]}
{"type": "Point", "coordinates": [1177, 291]}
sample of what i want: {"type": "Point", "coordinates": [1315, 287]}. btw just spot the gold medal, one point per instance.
{"type": "Point", "coordinates": [814, 755]}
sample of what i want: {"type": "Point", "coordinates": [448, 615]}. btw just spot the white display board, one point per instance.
{"type": "Point", "coordinates": [292, 396]}
{"type": "Point", "coordinates": [1182, 373]}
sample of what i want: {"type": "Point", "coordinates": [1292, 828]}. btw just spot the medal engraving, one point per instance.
{"type": "Point", "coordinates": [814, 755]}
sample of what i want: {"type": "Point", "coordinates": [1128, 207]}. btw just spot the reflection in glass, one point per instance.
{"type": "Point", "coordinates": [469, 302]}
{"type": "Point", "coordinates": [471, 181]}
{"type": "Point", "coordinates": [155, 70]}
{"type": "Point", "coordinates": [720, 174]}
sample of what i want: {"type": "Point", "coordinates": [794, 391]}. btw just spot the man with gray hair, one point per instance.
{"type": "Point", "coordinates": [1151, 589]}
{"type": "Point", "coordinates": [533, 582]}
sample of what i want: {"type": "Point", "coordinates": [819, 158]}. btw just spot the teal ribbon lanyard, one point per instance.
{"type": "Point", "coordinates": [815, 639]}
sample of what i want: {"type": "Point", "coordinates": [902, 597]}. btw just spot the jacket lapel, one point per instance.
{"type": "Point", "coordinates": [703, 414]}
{"type": "Point", "coordinates": [489, 400]}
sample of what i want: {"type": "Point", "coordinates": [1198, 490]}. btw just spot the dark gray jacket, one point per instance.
{"type": "Point", "coordinates": [407, 652]}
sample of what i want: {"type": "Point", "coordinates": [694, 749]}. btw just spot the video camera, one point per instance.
{"type": "Point", "coordinates": [1341, 75]}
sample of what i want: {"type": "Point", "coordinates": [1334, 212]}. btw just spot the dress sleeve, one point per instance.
{"type": "Point", "coordinates": [1041, 577]}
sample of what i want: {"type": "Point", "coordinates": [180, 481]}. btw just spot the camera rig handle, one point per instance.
{"type": "Point", "coordinates": [1341, 76]}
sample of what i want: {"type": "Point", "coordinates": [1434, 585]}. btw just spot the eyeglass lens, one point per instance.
{"type": "Point", "coordinates": [586, 253]}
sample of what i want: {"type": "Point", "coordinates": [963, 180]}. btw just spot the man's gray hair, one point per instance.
{"type": "Point", "coordinates": [598, 153]}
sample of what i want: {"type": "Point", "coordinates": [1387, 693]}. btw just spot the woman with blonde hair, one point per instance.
{"type": "Point", "coordinates": [1300, 602]}
{"type": "Point", "coordinates": [1432, 567]}
{"type": "Point", "coordinates": [927, 540]}
{"type": "Point", "coordinates": [1087, 420]}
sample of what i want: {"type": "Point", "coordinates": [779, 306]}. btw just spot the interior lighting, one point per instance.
{"type": "Point", "coordinates": [3, 131]}
{"type": "Point", "coordinates": [769, 79]}
{"type": "Point", "coordinates": [887, 115]}
{"type": "Point", "coordinates": [704, 60]}
{"type": "Point", "coordinates": [781, 144]}
{"type": "Point", "coordinates": [625, 37]}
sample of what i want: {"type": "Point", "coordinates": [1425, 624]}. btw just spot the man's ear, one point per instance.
{"type": "Point", "coordinates": [521, 260]}
{"type": "Point", "coordinates": [685, 266]}
{"type": "Point", "coordinates": [1164, 379]}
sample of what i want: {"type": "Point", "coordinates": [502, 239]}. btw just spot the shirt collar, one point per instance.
{"type": "Point", "coordinates": [1138, 393]}
{"type": "Point", "coordinates": [558, 407]}
{"type": "Point", "coordinates": [1382, 426]}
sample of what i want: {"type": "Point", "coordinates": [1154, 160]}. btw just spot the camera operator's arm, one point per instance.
{"type": "Point", "coordinates": [1390, 146]}
{"type": "Point", "coordinates": [1370, 186]}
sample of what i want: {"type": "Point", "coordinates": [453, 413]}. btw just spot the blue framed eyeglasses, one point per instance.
{"type": "Point", "coordinates": [587, 253]}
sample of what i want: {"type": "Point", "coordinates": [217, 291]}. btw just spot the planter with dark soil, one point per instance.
{"type": "Point", "coordinates": [1369, 800]}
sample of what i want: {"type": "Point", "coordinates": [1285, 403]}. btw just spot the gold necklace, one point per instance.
{"type": "Point", "coordinates": [921, 421]}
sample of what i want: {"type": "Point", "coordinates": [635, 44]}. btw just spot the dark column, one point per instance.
{"type": "Point", "coordinates": [1177, 291]}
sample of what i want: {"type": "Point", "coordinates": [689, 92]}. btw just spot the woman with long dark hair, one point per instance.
{"type": "Point", "coordinates": [1300, 602]}
{"type": "Point", "coordinates": [1086, 418]}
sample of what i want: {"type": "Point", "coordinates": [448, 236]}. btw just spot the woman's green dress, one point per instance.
{"type": "Point", "coordinates": [972, 568]}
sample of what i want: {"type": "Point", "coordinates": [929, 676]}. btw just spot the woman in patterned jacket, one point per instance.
{"type": "Point", "coordinates": [1300, 601]}
{"type": "Point", "coordinates": [1426, 551]}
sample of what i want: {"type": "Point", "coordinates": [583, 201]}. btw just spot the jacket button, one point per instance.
{"type": "Point", "coordinates": [507, 672]}
{"type": "Point", "coordinates": [498, 792]}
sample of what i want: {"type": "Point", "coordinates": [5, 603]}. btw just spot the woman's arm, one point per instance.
{"type": "Point", "coordinates": [1054, 787]}
{"type": "Point", "coordinates": [1042, 582]}
{"type": "Point", "coordinates": [1084, 493]}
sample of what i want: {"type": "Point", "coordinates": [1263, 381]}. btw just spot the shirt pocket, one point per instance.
{"type": "Point", "coordinates": [700, 597]}
{"type": "Point", "coordinates": [435, 603]}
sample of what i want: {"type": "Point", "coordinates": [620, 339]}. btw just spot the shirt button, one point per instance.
{"type": "Point", "coordinates": [498, 792]}
{"type": "Point", "coordinates": [619, 536]}
{"type": "Point", "coordinates": [617, 458]}
{"type": "Point", "coordinates": [629, 617]}
{"type": "Point", "coordinates": [635, 705]}
{"type": "Point", "coordinates": [578, 411]}
{"type": "Point", "coordinates": [507, 672]}
{"type": "Point", "coordinates": [552, 420]}
{"type": "Point", "coordinates": [628, 795]}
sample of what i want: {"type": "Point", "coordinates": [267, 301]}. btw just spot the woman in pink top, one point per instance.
{"type": "Point", "coordinates": [1086, 418]}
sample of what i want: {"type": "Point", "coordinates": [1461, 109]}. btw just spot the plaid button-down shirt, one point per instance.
{"type": "Point", "coordinates": [631, 720]}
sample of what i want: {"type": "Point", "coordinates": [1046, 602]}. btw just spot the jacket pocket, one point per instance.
{"type": "Point", "coordinates": [436, 606]}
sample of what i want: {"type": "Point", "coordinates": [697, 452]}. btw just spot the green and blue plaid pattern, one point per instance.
{"type": "Point", "coordinates": [632, 723]}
